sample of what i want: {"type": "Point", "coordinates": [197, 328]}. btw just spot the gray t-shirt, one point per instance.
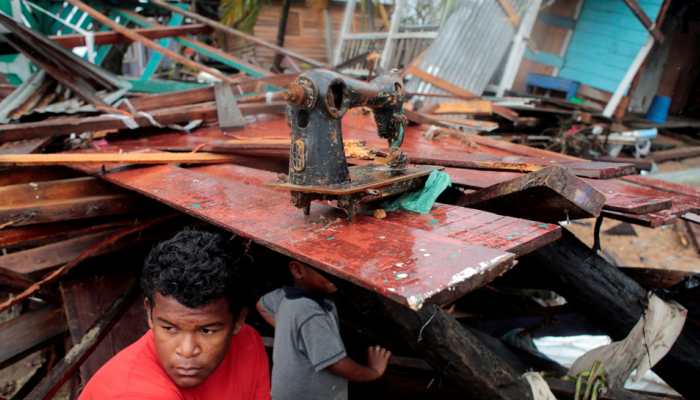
{"type": "Point", "coordinates": [307, 340]}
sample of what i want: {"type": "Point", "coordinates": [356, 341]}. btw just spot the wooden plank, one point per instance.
{"type": "Point", "coordinates": [221, 27]}
{"type": "Point", "coordinates": [24, 193]}
{"type": "Point", "coordinates": [662, 185]}
{"type": "Point", "coordinates": [470, 107]}
{"type": "Point", "coordinates": [640, 164]}
{"type": "Point", "coordinates": [104, 158]}
{"type": "Point", "coordinates": [619, 196]}
{"type": "Point", "coordinates": [24, 146]}
{"type": "Point", "coordinates": [40, 234]}
{"type": "Point", "coordinates": [441, 83]}
{"type": "Point", "coordinates": [76, 83]}
{"type": "Point", "coordinates": [175, 115]}
{"type": "Point", "coordinates": [100, 38]}
{"type": "Point", "coordinates": [551, 194]}
{"type": "Point", "coordinates": [512, 15]}
{"type": "Point", "coordinates": [64, 67]}
{"type": "Point", "coordinates": [71, 209]}
{"type": "Point", "coordinates": [631, 198]}
{"type": "Point", "coordinates": [678, 153]}
{"type": "Point", "coordinates": [171, 99]}
{"type": "Point", "coordinates": [588, 169]}
{"type": "Point", "coordinates": [206, 94]}
{"type": "Point", "coordinates": [77, 354]}
{"type": "Point", "coordinates": [29, 330]}
{"type": "Point", "coordinates": [86, 298]}
{"type": "Point", "coordinates": [13, 176]}
{"type": "Point", "coordinates": [43, 258]}
{"type": "Point", "coordinates": [117, 238]}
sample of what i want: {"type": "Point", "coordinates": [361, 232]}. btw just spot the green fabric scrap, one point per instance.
{"type": "Point", "coordinates": [421, 201]}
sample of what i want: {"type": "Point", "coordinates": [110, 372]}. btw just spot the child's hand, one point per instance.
{"type": "Point", "coordinates": [378, 358]}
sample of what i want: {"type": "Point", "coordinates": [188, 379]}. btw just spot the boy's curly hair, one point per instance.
{"type": "Point", "coordinates": [196, 268]}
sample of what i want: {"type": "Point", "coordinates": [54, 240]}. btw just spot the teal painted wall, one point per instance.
{"type": "Point", "coordinates": [606, 40]}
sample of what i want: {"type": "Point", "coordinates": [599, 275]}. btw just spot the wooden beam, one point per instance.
{"type": "Point", "coordinates": [85, 299]}
{"type": "Point", "coordinates": [206, 94]}
{"type": "Point", "coordinates": [457, 91]}
{"type": "Point", "coordinates": [175, 115]}
{"type": "Point", "coordinates": [24, 193]}
{"type": "Point", "coordinates": [120, 158]}
{"type": "Point", "coordinates": [460, 354]}
{"type": "Point", "coordinates": [136, 37]}
{"type": "Point", "coordinates": [587, 169]}
{"type": "Point", "coordinates": [615, 303]}
{"type": "Point", "coordinates": [69, 365]}
{"type": "Point", "coordinates": [24, 146]}
{"type": "Point", "coordinates": [70, 209]}
{"type": "Point", "coordinates": [40, 259]}
{"type": "Point", "coordinates": [13, 176]}
{"type": "Point", "coordinates": [551, 194]}
{"type": "Point", "coordinates": [62, 67]}
{"type": "Point", "coordinates": [645, 20]}
{"type": "Point", "coordinates": [511, 14]}
{"type": "Point", "coordinates": [455, 125]}
{"type": "Point", "coordinates": [441, 84]}
{"type": "Point", "coordinates": [41, 234]}
{"type": "Point", "coordinates": [29, 330]}
{"type": "Point", "coordinates": [470, 107]}
{"type": "Point", "coordinates": [221, 27]}
{"type": "Point", "coordinates": [163, 117]}
{"type": "Point", "coordinates": [678, 153]}
{"type": "Point", "coordinates": [100, 38]}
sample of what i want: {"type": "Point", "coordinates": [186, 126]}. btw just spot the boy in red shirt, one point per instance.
{"type": "Point", "coordinates": [198, 346]}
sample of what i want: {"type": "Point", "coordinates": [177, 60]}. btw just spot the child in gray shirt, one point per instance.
{"type": "Point", "coordinates": [309, 359]}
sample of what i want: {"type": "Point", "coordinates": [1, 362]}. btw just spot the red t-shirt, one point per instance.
{"type": "Point", "coordinates": [135, 373]}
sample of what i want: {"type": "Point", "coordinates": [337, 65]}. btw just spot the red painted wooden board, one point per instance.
{"type": "Point", "coordinates": [471, 226]}
{"type": "Point", "coordinates": [447, 150]}
{"type": "Point", "coordinates": [624, 201]}
{"type": "Point", "coordinates": [620, 196]}
{"type": "Point", "coordinates": [410, 258]}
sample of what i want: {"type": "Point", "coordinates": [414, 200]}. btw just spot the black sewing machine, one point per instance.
{"type": "Point", "coordinates": [318, 170]}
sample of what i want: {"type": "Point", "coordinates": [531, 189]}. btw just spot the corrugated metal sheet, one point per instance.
{"type": "Point", "coordinates": [470, 46]}
{"type": "Point", "coordinates": [41, 94]}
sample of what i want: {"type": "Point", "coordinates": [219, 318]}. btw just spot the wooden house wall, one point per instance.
{"type": "Point", "coordinates": [305, 30]}
{"type": "Point", "coordinates": [605, 42]}
{"type": "Point", "coordinates": [546, 38]}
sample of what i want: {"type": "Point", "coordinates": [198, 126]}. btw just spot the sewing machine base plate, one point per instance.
{"type": "Point", "coordinates": [368, 183]}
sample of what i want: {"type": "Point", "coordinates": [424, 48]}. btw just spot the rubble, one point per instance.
{"type": "Point", "coordinates": [98, 166]}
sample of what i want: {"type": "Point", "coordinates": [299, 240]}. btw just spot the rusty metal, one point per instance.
{"type": "Point", "coordinates": [318, 170]}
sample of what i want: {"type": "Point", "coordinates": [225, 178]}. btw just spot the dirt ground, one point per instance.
{"type": "Point", "coordinates": [666, 247]}
{"type": "Point", "coordinates": [660, 248]}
